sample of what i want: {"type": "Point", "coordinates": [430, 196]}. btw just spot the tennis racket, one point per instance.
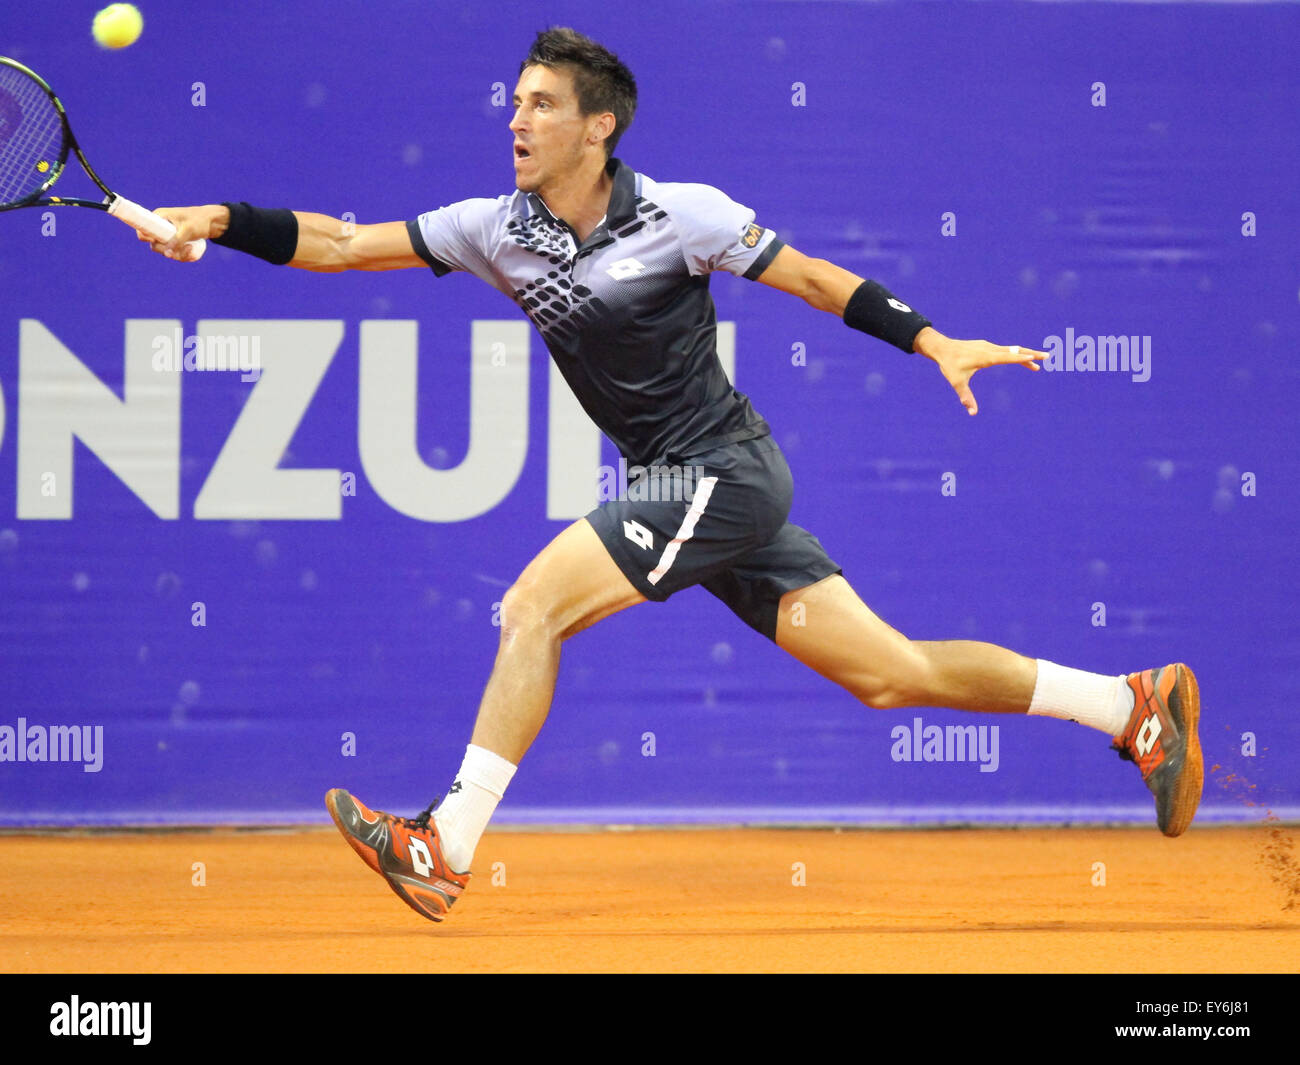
{"type": "Point", "coordinates": [35, 139]}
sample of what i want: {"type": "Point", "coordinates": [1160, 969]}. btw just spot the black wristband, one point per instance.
{"type": "Point", "coordinates": [874, 310]}
{"type": "Point", "coordinates": [268, 234]}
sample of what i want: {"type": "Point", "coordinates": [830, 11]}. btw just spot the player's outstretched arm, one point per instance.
{"type": "Point", "coordinates": [296, 238]}
{"type": "Point", "coordinates": [328, 245]}
{"type": "Point", "coordinates": [870, 308]}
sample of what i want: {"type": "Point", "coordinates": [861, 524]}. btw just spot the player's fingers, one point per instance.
{"type": "Point", "coordinates": [1024, 356]}
{"type": "Point", "coordinates": [182, 245]}
{"type": "Point", "coordinates": [186, 229]}
{"type": "Point", "coordinates": [160, 246]}
{"type": "Point", "coordinates": [174, 215]}
{"type": "Point", "coordinates": [967, 398]}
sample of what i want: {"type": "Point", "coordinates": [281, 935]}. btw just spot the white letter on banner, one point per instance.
{"type": "Point", "coordinates": [245, 481]}
{"type": "Point", "coordinates": [60, 399]}
{"type": "Point", "coordinates": [572, 453]}
{"type": "Point", "coordinates": [498, 423]}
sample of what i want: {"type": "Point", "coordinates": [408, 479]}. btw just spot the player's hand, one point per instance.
{"type": "Point", "coordinates": [959, 359]}
{"type": "Point", "coordinates": [192, 223]}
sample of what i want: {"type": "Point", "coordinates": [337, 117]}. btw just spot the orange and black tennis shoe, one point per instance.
{"type": "Point", "coordinates": [406, 852]}
{"type": "Point", "coordinates": [1161, 738]}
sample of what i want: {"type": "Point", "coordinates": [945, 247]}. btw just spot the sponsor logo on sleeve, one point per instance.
{"type": "Point", "coordinates": [751, 235]}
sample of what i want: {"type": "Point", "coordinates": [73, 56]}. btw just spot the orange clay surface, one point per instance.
{"type": "Point", "coordinates": [662, 901]}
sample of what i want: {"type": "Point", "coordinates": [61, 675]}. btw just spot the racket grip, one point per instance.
{"type": "Point", "coordinates": [154, 225]}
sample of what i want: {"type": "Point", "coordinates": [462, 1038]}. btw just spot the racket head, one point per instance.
{"type": "Point", "coordinates": [35, 137]}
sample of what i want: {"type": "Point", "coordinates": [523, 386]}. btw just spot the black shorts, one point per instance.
{"type": "Point", "coordinates": [718, 520]}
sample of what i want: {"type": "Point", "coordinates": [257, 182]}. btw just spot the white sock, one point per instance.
{"type": "Point", "coordinates": [470, 803]}
{"type": "Point", "coordinates": [1101, 702]}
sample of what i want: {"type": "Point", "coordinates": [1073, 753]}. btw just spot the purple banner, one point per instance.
{"type": "Point", "coordinates": [224, 591]}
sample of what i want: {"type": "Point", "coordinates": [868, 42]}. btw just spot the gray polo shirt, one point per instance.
{"type": "Point", "coordinates": [626, 314]}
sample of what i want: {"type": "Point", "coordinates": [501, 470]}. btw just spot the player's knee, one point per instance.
{"type": "Point", "coordinates": [525, 612]}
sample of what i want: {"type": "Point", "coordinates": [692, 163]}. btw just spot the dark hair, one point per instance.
{"type": "Point", "coordinates": [601, 81]}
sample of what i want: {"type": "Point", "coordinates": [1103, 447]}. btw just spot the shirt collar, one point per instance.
{"type": "Point", "coordinates": [622, 198]}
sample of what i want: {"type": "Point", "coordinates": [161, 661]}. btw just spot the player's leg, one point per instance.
{"type": "Point", "coordinates": [674, 529]}
{"type": "Point", "coordinates": [571, 584]}
{"type": "Point", "coordinates": [1152, 716]}
{"type": "Point", "coordinates": [790, 591]}
{"type": "Point", "coordinates": [829, 628]}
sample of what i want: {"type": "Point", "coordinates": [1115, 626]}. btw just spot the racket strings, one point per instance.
{"type": "Point", "coordinates": [31, 136]}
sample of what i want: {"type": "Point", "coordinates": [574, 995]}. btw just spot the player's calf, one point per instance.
{"type": "Point", "coordinates": [906, 680]}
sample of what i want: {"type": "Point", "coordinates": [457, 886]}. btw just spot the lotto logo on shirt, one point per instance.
{"type": "Point", "coordinates": [751, 235]}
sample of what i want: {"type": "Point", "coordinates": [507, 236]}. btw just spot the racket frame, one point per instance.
{"type": "Point", "coordinates": [57, 168]}
{"type": "Point", "coordinates": [118, 206]}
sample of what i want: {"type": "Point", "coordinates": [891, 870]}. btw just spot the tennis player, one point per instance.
{"type": "Point", "coordinates": [613, 269]}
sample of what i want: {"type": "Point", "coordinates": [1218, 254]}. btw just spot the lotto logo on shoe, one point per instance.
{"type": "Point", "coordinates": [421, 859]}
{"type": "Point", "coordinates": [1147, 735]}
{"type": "Point", "coordinates": [1146, 744]}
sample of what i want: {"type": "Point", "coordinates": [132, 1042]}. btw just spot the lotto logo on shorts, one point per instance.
{"type": "Point", "coordinates": [639, 535]}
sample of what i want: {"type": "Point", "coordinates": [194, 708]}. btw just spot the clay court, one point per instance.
{"type": "Point", "coordinates": [1010, 900]}
{"type": "Point", "coordinates": [741, 338]}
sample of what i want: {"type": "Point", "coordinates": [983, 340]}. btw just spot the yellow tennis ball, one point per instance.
{"type": "Point", "coordinates": [118, 25]}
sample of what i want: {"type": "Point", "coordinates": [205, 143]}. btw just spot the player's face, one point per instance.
{"type": "Point", "coordinates": [550, 131]}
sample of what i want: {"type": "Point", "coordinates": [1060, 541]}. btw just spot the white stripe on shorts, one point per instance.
{"type": "Point", "coordinates": [698, 502]}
